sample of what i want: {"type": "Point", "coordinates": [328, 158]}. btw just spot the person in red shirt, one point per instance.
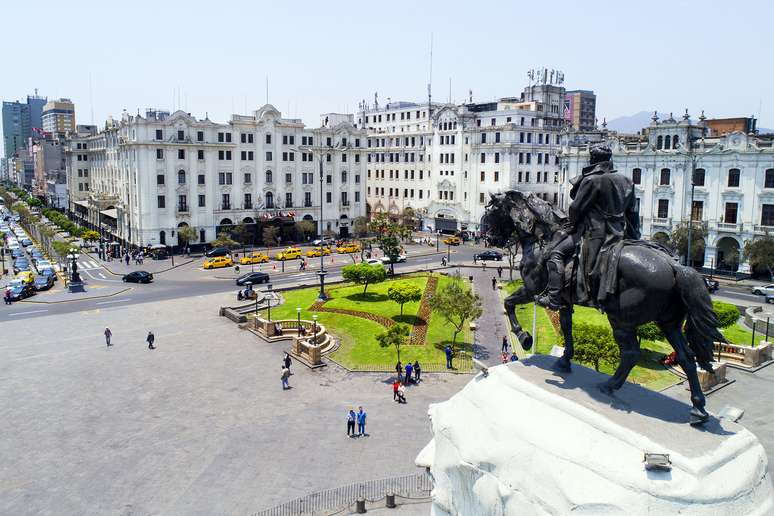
{"type": "Point", "coordinates": [395, 386]}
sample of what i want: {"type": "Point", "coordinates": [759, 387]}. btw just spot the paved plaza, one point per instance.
{"type": "Point", "coordinates": [198, 426]}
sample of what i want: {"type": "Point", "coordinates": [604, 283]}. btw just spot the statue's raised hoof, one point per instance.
{"type": "Point", "coordinates": [604, 388]}
{"type": "Point", "coordinates": [525, 339]}
{"type": "Point", "coordinates": [562, 366]}
{"type": "Point", "coordinates": [698, 417]}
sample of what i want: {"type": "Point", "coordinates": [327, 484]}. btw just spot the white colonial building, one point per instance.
{"type": "Point", "coordinates": [733, 192]}
{"type": "Point", "coordinates": [443, 160]}
{"type": "Point", "coordinates": [141, 178]}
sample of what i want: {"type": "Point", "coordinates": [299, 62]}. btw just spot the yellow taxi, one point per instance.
{"type": "Point", "coordinates": [218, 262]}
{"type": "Point", "coordinates": [253, 258]}
{"type": "Point", "coordinates": [452, 241]}
{"type": "Point", "coordinates": [316, 252]}
{"type": "Point", "coordinates": [291, 253]}
{"type": "Point", "coordinates": [348, 248]}
{"type": "Point", "coordinates": [26, 276]}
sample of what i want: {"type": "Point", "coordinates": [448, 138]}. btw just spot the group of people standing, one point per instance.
{"type": "Point", "coordinates": [413, 373]}
{"type": "Point", "coordinates": [358, 418]}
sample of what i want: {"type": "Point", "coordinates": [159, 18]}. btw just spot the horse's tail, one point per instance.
{"type": "Point", "coordinates": [701, 326]}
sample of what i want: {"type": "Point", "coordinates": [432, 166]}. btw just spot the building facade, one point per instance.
{"type": "Point", "coordinates": [443, 160]}
{"type": "Point", "coordinates": [50, 172]}
{"type": "Point", "coordinates": [580, 110]}
{"type": "Point", "coordinates": [140, 179]}
{"type": "Point", "coordinates": [58, 117]}
{"type": "Point", "coordinates": [21, 121]}
{"type": "Point", "coordinates": [732, 197]}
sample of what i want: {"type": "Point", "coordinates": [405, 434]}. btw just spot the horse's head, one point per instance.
{"type": "Point", "coordinates": [512, 215]}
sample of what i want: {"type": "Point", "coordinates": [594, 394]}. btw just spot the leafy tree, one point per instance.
{"type": "Point", "coordinates": [760, 253]}
{"type": "Point", "coordinates": [679, 241]}
{"type": "Point", "coordinates": [363, 274]}
{"type": "Point", "coordinates": [90, 235]}
{"type": "Point", "coordinates": [381, 225]}
{"type": "Point", "coordinates": [409, 218]}
{"type": "Point", "coordinates": [511, 249]}
{"type": "Point", "coordinates": [395, 335]}
{"type": "Point", "coordinates": [649, 331]}
{"type": "Point", "coordinates": [457, 304]}
{"type": "Point", "coordinates": [306, 228]}
{"type": "Point", "coordinates": [242, 232]}
{"type": "Point", "coordinates": [270, 234]}
{"type": "Point", "coordinates": [403, 293]}
{"type": "Point", "coordinates": [360, 226]}
{"type": "Point", "coordinates": [594, 344]}
{"type": "Point", "coordinates": [187, 235]}
{"type": "Point", "coordinates": [62, 248]}
{"type": "Point", "coordinates": [34, 202]}
{"type": "Point", "coordinates": [391, 249]}
{"type": "Point", "coordinates": [224, 240]}
{"type": "Point", "coordinates": [662, 238]}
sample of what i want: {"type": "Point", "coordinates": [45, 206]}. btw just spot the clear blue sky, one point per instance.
{"type": "Point", "coordinates": [324, 56]}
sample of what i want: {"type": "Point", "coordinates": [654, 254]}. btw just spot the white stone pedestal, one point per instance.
{"type": "Point", "coordinates": [526, 440]}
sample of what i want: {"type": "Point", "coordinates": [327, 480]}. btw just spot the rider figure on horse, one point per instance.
{"type": "Point", "coordinates": [602, 214]}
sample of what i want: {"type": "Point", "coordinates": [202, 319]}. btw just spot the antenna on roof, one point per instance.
{"type": "Point", "coordinates": [91, 100]}
{"type": "Point", "coordinates": [267, 88]}
{"type": "Point", "coordinates": [430, 81]}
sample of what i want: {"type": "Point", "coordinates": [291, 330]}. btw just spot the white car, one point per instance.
{"type": "Point", "coordinates": [43, 264]}
{"type": "Point", "coordinates": [13, 244]}
{"type": "Point", "coordinates": [401, 258]}
{"type": "Point", "coordinates": [374, 261]}
{"type": "Point", "coordinates": [759, 290]}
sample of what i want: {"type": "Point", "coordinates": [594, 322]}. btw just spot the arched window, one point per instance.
{"type": "Point", "coordinates": [660, 142]}
{"type": "Point", "coordinates": [163, 238]}
{"type": "Point", "coordinates": [665, 177]}
{"type": "Point", "coordinates": [733, 178]}
{"type": "Point", "coordinates": [181, 177]}
{"type": "Point", "coordinates": [269, 176]}
{"type": "Point", "coordinates": [667, 142]}
{"type": "Point", "coordinates": [269, 200]}
{"type": "Point", "coordinates": [637, 176]}
{"type": "Point", "coordinates": [769, 179]}
{"type": "Point", "coordinates": [698, 177]}
{"type": "Point", "coordinates": [675, 141]}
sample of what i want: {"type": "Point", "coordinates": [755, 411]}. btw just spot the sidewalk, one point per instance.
{"type": "Point", "coordinates": [63, 295]}
{"type": "Point", "coordinates": [492, 324]}
{"type": "Point", "coordinates": [119, 267]}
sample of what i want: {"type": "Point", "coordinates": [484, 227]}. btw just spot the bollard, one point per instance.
{"type": "Point", "coordinates": [390, 502]}
{"type": "Point", "coordinates": [767, 329]}
{"type": "Point", "coordinates": [360, 505]}
{"type": "Point", "coordinates": [752, 343]}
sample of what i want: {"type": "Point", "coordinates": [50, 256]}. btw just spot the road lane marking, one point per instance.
{"type": "Point", "coordinates": [28, 312]}
{"type": "Point", "coordinates": [101, 275]}
{"type": "Point", "coordinates": [114, 301]}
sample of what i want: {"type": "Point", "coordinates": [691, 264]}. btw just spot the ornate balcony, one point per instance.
{"type": "Point", "coordinates": [662, 222]}
{"type": "Point", "coordinates": [763, 229]}
{"type": "Point", "coordinates": [729, 227]}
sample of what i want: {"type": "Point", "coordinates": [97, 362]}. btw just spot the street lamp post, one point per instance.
{"type": "Point", "coordinates": [314, 326]}
{"type": "Point", "coordinates": [689, 259]}
{"type": "Point", "coordinates": [268, 299]}
{"type": "Point", "coordinates": [321, 273]}
{"type": "Point", "coordinates": [448, 253]}
{"type": "Point", "coordinates": [436, 240]}
{"type": "Point", "coordinates": [298, 313]}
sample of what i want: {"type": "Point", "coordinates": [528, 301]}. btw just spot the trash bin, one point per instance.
{"type": "Point", "coordinates": [360, 506]}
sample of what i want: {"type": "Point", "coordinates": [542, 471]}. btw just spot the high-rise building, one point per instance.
{"type": "Point", "coordinates": [580, 108]}
{"type": "Point", "coordinates": [58, 117]}
{"type": "Point", "coordinates": [21, 121]}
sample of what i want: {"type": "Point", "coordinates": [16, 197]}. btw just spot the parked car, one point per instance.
{"type": "Point", "coordinates": [770, 298]}
{"type": "Point", "coordinates": [26, 242]}
{"type": "Point", "coordinates": [291, 253]}
{"type": "Point", "coordinates": [138, 277]}
{"type": "Point", "coordinates": [324, 241]}
{"type": "Point", "coordinates": [27, 277]}
{"type": "Point", "coordinates": [348, 248]}
{"type": "Point", "coordinates": [48, 271]}
{"type": "Point", "coordinates": [21, 264]}
{"type": "Point", "coordinates": [253, 258]}
{"type": "Point", "coordinates": [19, 292]}
{"type": "Point", "coordinates": [253, 278]}
{"type": "Point", "coordinates": [43, 282]}
{"type": "Point", "coordinates": [712, 285]}
{"type": "Point", "coordinates": [218, 262]}
{"type": "Point", "coordinates": [316, 252]}
{"type": "Point", "coordinates": [453, 240]}
{"type": "Point", "coordinates": [491, 255]}
{"type": "Point", "coordinates": [217, 251]}
{"type": "Point", "coordinates": [374, 261]}
{"type": "Point", "coordinates": [759, 290]}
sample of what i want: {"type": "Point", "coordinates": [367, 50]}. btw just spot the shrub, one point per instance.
{"type": "Point", "coordinates": [650, 331]}
{"type": "Point", "coordinates": [727, 313]}
{"type": "Point", "coordinates": [594, 344]}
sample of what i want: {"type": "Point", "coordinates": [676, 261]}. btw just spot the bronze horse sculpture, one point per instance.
{"type": "Point", "coordinates": [651, 286]}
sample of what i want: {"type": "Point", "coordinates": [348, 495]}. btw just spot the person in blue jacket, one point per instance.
{"type": "Point", "coordinates": [361, 421]}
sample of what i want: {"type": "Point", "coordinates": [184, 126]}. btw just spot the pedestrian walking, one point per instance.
{"type": "Point", "coordinates": [449, 355]}
{"type": "Point", "coordinates": [483, 264]}
{"type": "Point", "coordinates": [475, 257]}
{"type": "Point", "coordinates": [395, 386]}
{"type": "Point", "coordinates": [504, 357]}
{"type": "Point", "coordinates": [126, 259]}
{"type": "Point", "coordinates": [361, 421]}
{"type": "Point", "coordinates": [108, 334]}
{"type": "Point", "coordinates": [150, 339]}
{"type": "Point", "coordinates": [494, 283]}
{"type": "Point", "coordinates": [443, 261]}
{"type": "Point", "coordinates": [399, 370]}
{"type": "Point", "coordinates": [409, 367]}
{"type": "Point", "coordinates": [351, 417]}
{"type": "Point", "coordinates": [417, 371]}
{"type": "Point", "coordinates": [7, 297]}
{"type": "Point", "coordinates": [284, 377]}
{"type": "Point", "coordinates": [505, 344]}
{"type": "Point", "coordinates": [286, 362]}
{"type": "Point", "coordinates": [500, 272]}
{"type": "Point", "coordinates": [401, 394]}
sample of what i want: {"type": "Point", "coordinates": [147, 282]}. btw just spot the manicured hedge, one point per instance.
{"type": "Point", "coordinates": [727, 313]}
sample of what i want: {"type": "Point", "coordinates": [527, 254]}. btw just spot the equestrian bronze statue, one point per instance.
{"type": "Point", "coordinates": [633, 281]}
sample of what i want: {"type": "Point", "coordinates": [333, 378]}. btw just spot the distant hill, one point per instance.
{"type": "Point", "coordinates": [633, 123]}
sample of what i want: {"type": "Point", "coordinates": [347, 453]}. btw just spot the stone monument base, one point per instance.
{"type": "Point", "coordinates": [526, 440]}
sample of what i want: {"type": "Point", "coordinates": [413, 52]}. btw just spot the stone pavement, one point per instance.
{"type": "Point", "coordinates": [119, 267]}
{"type": "Point", "coordinates": [200, 425]}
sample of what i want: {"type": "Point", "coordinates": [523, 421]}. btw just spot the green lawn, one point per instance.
{"type": "Point", "coordinates": [358, 345]}
{"type": "Point", "coordinates": [738, 335]}
{"type": "Point", "coordinates": [648, 371]}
